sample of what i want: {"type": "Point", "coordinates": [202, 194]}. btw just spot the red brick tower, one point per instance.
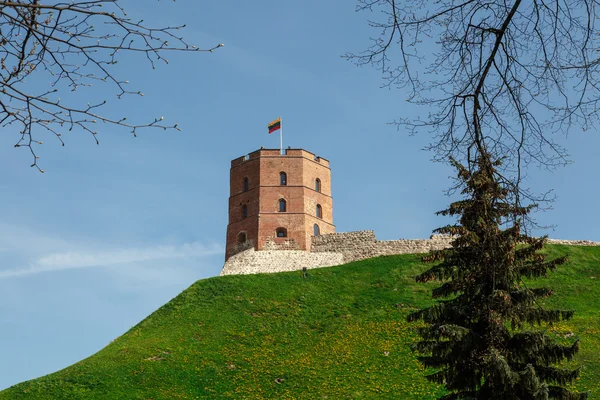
{"type": "Point", "coordinates": [278, 201]}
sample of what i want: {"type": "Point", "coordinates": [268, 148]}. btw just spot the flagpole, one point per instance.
{"type": "Point", "coordinates": [280, 136]}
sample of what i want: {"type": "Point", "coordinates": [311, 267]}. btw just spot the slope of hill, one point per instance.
{"type": "Point", "coordinates": [338, 333]}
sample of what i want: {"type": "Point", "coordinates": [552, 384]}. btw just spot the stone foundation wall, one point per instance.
{"type": "Point", "coordinates": [574, 242]}
{"type": "Point", "coordinates": [239, 247]}
{"type": "Point", "coordinates": [363, 244]}
{"type": "Point", "coordinates": [339, 248]}
{"type": "Point", "coordinates": [353, 245]}
{"type": "Point", "coordinates": [272, 243]}
{"type": "Point", "coordinates": [267, 261]}
{"type": "Point", "coordinates": [411, 246]}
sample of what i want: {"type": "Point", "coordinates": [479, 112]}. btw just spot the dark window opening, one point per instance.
{"type": "Point", "coordinates": [319, 211]}
{"type": "Point", "coordinates": [282, 205]}
{"type": "Point", "coordinates": [281, 232]}
{"type": "Point", "coordinates": [244, 211]}
{"type": "Point", "coordinates": [245, 184]}
{"type": "Point", "coordinates": [241, 237]}
{"type": "Point", "coordinates": [317, 230]}
{"type": "Point", "coordinates": [318, 185]}
{"type": "Point", "coordinates": [282, 178]}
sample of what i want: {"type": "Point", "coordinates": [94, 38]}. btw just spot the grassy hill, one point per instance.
{"type": "Point", "coordinates": [339, 333]}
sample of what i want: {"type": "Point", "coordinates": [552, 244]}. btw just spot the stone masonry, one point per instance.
{"type": "Point", "coordinates": [363, 244]}
{"type": "Point", "coordinates": [281, 218]}
{"type": "Point", "coordinates": [339, 248]}
{"type": "Point", "coordinates": [253, 262]}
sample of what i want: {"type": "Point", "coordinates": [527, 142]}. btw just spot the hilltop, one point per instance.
{"type": "Point", "coordinates": [338, 333]}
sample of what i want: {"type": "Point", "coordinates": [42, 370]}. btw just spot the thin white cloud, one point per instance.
{"type": "Point", "coordinates": [78, 259]}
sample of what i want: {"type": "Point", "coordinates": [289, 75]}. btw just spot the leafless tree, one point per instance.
{"type": "Point", "coordinates": [70, 45]}
{"type": "Point", "coordinates": [499, 79]}
{"type": "Point", "coordinates": [497, 76]}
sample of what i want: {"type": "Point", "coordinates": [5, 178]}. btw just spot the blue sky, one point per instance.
{"type": "Point", "coordinates": [111, 232]}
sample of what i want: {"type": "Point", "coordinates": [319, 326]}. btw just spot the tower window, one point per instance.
{"type": "Point", "coordinates": [282, 205]}
{"type": "Point", "coordinates": [318, 185]}
{"type": "Point", "coordinates": [317, 230]}
{"type": "Point", "coordinates": [245, 184]}
{"type": "Point", "coordinates": [281, 232]}
{"type": "Point", "coordinates": [282, 178]}
{"type": "Point", "coordinates": [319, 211]}
{"type": "Point", "coordinates": [241, 237]}
{"type": "Point", "coordinates": [244, 211]}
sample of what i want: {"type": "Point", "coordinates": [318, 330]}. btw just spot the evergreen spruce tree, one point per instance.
{"type": "Point", "coordinates": [481, 334]}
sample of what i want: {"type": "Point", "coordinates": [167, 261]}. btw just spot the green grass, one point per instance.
{"type": "Point", "coordinates": [340, 333]}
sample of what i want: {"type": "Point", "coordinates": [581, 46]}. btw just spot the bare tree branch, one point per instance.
{"type": "Point", "coordinates": [501, 76]}
{"type": "Point", "coordinates": [74, 44]}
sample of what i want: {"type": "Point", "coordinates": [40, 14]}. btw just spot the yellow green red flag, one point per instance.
{"type": "Point", "coordinates": [275, 125]}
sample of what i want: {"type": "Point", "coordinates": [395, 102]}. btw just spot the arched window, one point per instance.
{"type": "Point", "coordinates": [319, 211]}
{"type": "Point", "coordinates": [282, 205]}
{"type": "Point", "coordinates": [245, 184]}
{"type": "Point", "coordinates": [317, 230]}
{"type": "Point", "coordinates": [244, 211]}
{"type": "Point", "coordinates": [318, 185]}
{"type": "Point", "coordinates": [282, 178]}
{"type": "Point", "coordinates": [241, 237]}
{"type": "Point", "coordinates": [281, 232]}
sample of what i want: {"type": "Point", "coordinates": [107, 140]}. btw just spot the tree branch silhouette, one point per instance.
{"type": "Point", "coordinates": [73, 44]}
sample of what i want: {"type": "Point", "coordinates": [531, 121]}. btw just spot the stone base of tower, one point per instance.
{"type": "Point", "coordinates": [326, 251]}
{"type": "Point", "coordinates": [267, 261]}
{"type": "Point", "coordinates": [340, 248]}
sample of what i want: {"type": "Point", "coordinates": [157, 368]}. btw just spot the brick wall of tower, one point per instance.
{"type": "Point", "coordinates": [314, 168]}
{"type": "Point", "coordinates": [263, 168]}
{"type": "Point", "coordinates": [249, 169]}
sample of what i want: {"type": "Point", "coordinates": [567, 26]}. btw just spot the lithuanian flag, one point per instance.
{"type": "Point", "coordinates": [275, 125]}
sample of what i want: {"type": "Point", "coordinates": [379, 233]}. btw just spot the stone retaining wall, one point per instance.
{"type": "Point", "coordinates": [239, 247]}
{"type": "Point", "coordinates": [281, 244]}
{"type": "Point", "coordinates": [267, 261]}
{"type": "Point", "coordinates": [340, 248]}
{"type": "Point", "coordinates": [363, 244]}
{"type": "Point", "coordinates": [574, 242]}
